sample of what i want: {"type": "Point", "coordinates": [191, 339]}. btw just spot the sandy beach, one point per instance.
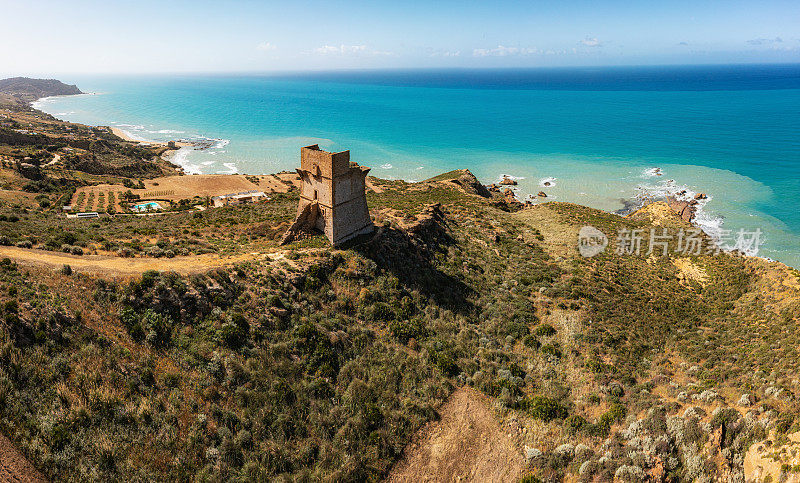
{"type": "Point", "coordinates": [125, 136]}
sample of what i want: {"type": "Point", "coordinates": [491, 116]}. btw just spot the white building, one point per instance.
{"type": "Point", "coordinates": [251, 196]}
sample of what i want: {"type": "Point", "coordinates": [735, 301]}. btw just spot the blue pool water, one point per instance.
{"type": "Point", "coordinates": [595, 134]}
{"type": "Point", "coordinates": [149, 206]}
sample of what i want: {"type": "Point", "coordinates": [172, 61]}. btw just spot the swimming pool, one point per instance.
{"type": "Point", "coordinates": [149, 206]}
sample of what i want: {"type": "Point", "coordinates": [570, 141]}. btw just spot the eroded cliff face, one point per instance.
{"type": "Point", "coordinates": [31, 89]}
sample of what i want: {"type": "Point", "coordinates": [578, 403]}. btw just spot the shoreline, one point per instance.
{"type": "Point", "coordinates": [645, 186]}
{"type": "Point", "coordinates": [117, 131]}
{"type": "Point", "coordinates": [126, 136]}
{"type": "Point", "coordinates": [175, 152]}
{"type": "Point", "coordinates": [179, 150]}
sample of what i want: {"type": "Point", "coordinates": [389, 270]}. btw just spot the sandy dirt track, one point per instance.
{"type": "Point", "coordinates": [13, 465]}
{"type": "Point", "coordinates": [118, 266]}
{"type": "Point", "coordinates": [466, 444]}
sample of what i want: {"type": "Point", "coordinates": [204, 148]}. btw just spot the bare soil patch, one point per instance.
{"type": "Point", "coordinates": [466, 444]}
{"type": "Point", "coordinates": [764, 461]}
{"type": "Point", "coordinates": [688, 270]}
{"type": "Point", "coordinates": [560, 239]}
{"type": "Point", "coordinates": [15, 196]}
{"type": "Point", "coordinates": [14, 466]}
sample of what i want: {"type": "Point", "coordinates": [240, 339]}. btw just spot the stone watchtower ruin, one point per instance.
{"type": "Point", "coordinates": [332, 197]}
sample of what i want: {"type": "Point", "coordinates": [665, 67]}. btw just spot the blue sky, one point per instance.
{"type": "Point", "coordinates": [80, 36]}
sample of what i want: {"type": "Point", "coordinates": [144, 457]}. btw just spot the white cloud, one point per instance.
{"type": "Point", "coordinates": [446, 53]}
{"type": "Point", "coordinates": [350, 50]}
{"type": "Point", "coordinates": [342, 49]}
{"type": "Point", "coordinates": [266, 46]}
{"type": "Point", "coordinates": [503, 51]}
{"type": "Point", "coordinates": [591, 42]}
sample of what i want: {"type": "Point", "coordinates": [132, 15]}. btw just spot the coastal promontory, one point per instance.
{"type": "Point", "coordinates": [23, 90]}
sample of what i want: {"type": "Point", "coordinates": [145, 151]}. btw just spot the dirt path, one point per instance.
{"type": "Point", "coordinates": [467, 444]}
{"type": "Point", "coordinates": [118, 266]}
{"type": "Point", "coordinates": [373, 186]}
{"type": "Point", "coordinates": [56, 158]}
{"type": "Point", "coordinates": [14, 466]}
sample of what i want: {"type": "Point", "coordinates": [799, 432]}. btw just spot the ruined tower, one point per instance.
{"type": "Point", "coordinates": [332, 196]}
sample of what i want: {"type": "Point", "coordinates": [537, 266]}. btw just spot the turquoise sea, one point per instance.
{"type": "Point", "coordinates": [595, 135]}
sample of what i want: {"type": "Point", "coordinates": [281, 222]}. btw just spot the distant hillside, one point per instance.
{"type": "Point", "coordinates": [23, 90]}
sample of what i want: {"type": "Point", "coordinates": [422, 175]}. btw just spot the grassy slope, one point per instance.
{"type": "Point", "coordinates": [324, 363]}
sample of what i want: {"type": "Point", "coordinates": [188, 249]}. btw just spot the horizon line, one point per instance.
{"type": "Point", "coordinates": [409, 68]}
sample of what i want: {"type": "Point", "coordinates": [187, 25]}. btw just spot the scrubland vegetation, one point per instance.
{"type": "Point", "coordinates": [228, 230]}
{"type": "Point", "coordinates": [323, 363]}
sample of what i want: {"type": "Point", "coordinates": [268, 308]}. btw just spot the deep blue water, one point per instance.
{"type": "Point", "coordinates": [639, 78]}
{"type": "Point", "coordinates": [730, 131]}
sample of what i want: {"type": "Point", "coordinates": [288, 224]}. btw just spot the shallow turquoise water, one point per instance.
{"type": "Point", "coordinates": [733, 133]}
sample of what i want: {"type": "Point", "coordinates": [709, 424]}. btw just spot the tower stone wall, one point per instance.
{"type": "Point", "coordinates": [338, 189]}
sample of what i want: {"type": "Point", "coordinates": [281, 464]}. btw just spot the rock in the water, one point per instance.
{"type": "Point", "coordinates": [508, 181]}
{"type": "Point", "coordinates": [542, 194]}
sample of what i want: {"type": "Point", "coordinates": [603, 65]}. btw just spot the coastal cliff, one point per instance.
{"type": "Point", "coordinates": [20, 91]}
{"type": "Point", "coordinates": [31, 140]}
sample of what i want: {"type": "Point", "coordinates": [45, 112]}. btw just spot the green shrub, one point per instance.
{"type": "Point", "coordinates": [232, 335]}
{"type": "Point", "coordinates": [445, 361]}
{"type": "Point", "coordinates": [552, 350]}
{"type": "Point", "coordinates": [531, 341]}
{"type": "Point", "coordinates": [381, 311]}
{"type": "Point", "coordinates": [546, 330]}
{"type": "Point", "coordinates": [544, 408]}
{"type": "Point", "coordinates": [598, 367]}
{"type": "Point", "coordinates": [575, 423]}
{"type": "Point", "coordinates": [11, 306]}
{"type": "Point", "coordinates": [404, 330]}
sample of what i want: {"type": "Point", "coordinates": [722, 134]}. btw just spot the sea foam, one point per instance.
{"type": "Point", "coordinates": [548, 182]}
{"type": "Point", "coordinates": [704, 219]}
